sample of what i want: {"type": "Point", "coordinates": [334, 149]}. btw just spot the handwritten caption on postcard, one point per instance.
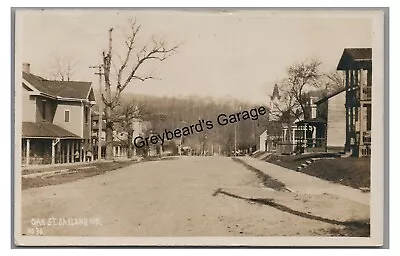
{"type": "Point", "coordinates": [39, 224]}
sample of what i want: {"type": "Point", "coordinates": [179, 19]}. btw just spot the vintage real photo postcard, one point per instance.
{"type": "Point", "coordinates": [201, 127]}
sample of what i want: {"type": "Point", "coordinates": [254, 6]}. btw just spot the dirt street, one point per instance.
{"type": "Point", "coordinates": [191, 196]}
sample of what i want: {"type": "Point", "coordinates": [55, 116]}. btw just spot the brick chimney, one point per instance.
{"type": "Point", "coordinates": [26, 67]}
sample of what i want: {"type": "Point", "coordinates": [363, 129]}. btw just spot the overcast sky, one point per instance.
{"type": "Point", "coordinates": [236, 54]}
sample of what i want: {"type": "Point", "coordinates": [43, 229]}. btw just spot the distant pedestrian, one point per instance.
{"type": "Point", "coordinates": [89, 156]}
{"type": "Point", "coordinates": [76, 155]}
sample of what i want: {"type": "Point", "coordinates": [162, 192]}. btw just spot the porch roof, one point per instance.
{"type": "Point", "coordinates": [312, 121]}
{"type": "Point", "coordinates": [46, 130]}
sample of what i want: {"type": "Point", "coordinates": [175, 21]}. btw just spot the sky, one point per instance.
{"type": "Point", "coordinates": [228, 54]}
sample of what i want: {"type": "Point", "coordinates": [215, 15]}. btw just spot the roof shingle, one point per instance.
{"type": "Point", "coordinates": [355, 58]}
{"type": "Point", "coordinates": [66, 89]}
{"type": "Point", "coordinates": [45, 130]}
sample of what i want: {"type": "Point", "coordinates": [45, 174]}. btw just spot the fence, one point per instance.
{"type": "Point", "coordinates": [302, 146]}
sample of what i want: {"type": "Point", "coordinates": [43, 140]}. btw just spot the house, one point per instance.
{"type": "Point", "coordinates": [55, 119]}
{"type": "Point", "coordinates": [120, 136]}
{"type": "Point", "coordinates": [356, 63]}
{"type": "Point", "coordinates": [263, 141]}
{"type": "Point", "coordinates": [95, 134]}
{"type": "Point", "coordinates": [342, 120]}
{"type": "Point", "coordinates": [332, 109]}
{"type": "Point", "coordinates": [308, 132]}
{"type": "Point", "coordinates": [270, 137]}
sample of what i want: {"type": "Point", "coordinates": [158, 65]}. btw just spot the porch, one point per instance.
{"type": "Point", "coordinates": [306, 136]}
{"type": "Point", "coordinates": [312, 135]}
{"type": "Point", "coordinates": [46, 143]}
{"type": "Point", "coordinates": [40, 151]}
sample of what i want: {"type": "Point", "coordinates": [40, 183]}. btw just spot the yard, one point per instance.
{"type": "Point", "coordinates": [350, 171]}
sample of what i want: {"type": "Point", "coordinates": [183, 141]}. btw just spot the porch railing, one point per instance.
{"type": "Point", "coordinates": [301, 145]}
{"type": "Point", "coordinates": [366, 93]}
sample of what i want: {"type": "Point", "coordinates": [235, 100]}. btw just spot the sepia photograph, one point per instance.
{"type": "Point", "coordinates": [198, 127]}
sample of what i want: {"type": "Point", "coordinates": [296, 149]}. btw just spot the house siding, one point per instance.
{"type": "Point", "coordinates": [86, 126]}
{"type": "Point", "coordinates": [75, 125]}
{"type": "Point", "coordinates": [28, 107]}
{"type": "Point", "coordinates": [50, 107]}
{"type": "Point", "coordinates": [336, 133]}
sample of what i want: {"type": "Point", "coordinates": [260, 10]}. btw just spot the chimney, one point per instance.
{"type": "Point", "coordinates": [26, 67]}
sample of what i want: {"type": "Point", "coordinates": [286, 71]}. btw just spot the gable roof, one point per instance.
{"type": "Point", "coordinates": [330, 96]}
{"type": "Point", "coordinates": [45, 130]}
{"type": "Point", "coordinates": [64, 89]}
{"type": "Point", "coordinates": [355, 58]}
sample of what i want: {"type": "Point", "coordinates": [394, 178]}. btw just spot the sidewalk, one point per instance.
{"type": "Point", "coordinates": [305, 184]}
{"type": "Point", "coordinates": [69, 165]}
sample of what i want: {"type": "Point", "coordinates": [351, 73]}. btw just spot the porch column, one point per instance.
{"type": "Point", "coordinates": [294, 142]}
{"type": "Point", "coordinates": [326, 137]}
{"type": "Point", "coordinates": [360, 124]}
{"type": "Point", "coordinates": [81, 152]}
{"type": "Point", "coordinates": [28, 145]}
{"type": "Point", "coordinates": [73, 152]}
{"type": "Point", "coordinates": [293, 134]}
{"type": "Point", "coordinates": [61, 153]}
{"type": "Point", "coordinates": [68, 151]}
{"type": "Point", "coordinates": [114, 151]}
{"type": "Point", "coordinates": [84, 151]}
{"type": "Point", "coordinates": [53, 152]}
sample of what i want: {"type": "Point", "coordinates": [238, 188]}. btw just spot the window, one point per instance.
{"type": "Point", "coordinates": [43, 110]}
{"type": "Point", "coordinates": [66, 116]}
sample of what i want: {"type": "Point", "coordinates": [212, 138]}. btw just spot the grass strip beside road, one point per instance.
{"type": "Point", "coordinates": [350, 171]}
{"type": "Point", "coordinates": [267, 180]}
{"type": "Point", "coordinates": [95, 169]}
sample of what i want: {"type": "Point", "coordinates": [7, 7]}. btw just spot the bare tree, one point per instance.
{"type": "Point", "coordinates": [292, 105]}
{"type": "Point", "coordinates": [125, 115]}
{"type": "Point", "coordinates": [301, 78]}
{"type": "Point", "coordinates": [335, 81]}
{"type": "Point", "coordinates": [63, 68]}
{"type": "Point", "coordinates": [128, 70]}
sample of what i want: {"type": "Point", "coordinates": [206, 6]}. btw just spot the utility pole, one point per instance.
{"type": "Point", "coordinates": [107, 69]}
{"type": "Point", "coordinates": [235, 140]}
{"type": "Point", "coordinates": [240, 110]}
{"type": "Point", "coordinates": [100, 122]}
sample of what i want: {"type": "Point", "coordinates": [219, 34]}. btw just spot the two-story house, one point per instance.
{"type": "Point", "coordinates": [56, 125]}
{"type": "Point", "coordinates": [356, 63]}
{"type": "Point", "coordinates": [120, 136]}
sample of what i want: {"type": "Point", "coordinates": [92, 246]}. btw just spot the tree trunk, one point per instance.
{"type": "Point", "coordinates": [130, 135]}
{"type": "Point", "coordinates": [109, 134]}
